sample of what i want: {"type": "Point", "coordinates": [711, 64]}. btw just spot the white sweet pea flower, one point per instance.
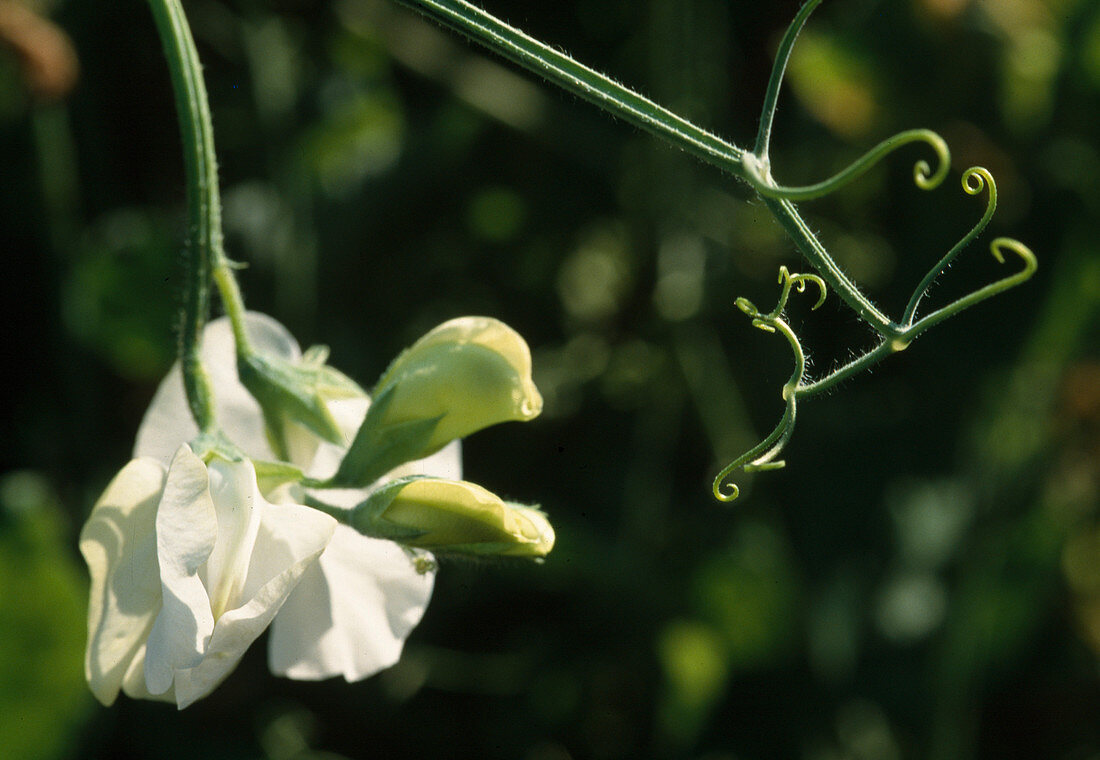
{"type": "Point", "coordinates": [161, 588]}
{"type": "Point", "coordinates": [189, 564]}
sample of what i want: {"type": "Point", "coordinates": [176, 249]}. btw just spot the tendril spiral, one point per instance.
{"type": "Point", "coordinates": [974, 181]}
{"type": "Point", "coordinates": [763, 455]}
{"type": "Point", "coordinates": [758, 173]}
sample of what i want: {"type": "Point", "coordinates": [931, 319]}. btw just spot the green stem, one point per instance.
{"type": "Point", "coordinates": [787, 215]}
{"type": "Point", "coordinates": [580, 80]}
{"type": "Point", "coordinates": [341, 514]}
{"type": "Point", "coordinates": [837, 376]}
{"type": "Point", "coordinates": [203, 204]}
{"type": "Point", "coordinates": [628, 105]}
{"type": "Point", "coordinates": [233, 302]}
{"type": "Point", "coordinates": [775, 81]}
{"type": "Point", "coordinates": [205, 251]}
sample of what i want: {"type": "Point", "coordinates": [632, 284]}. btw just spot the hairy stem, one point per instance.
{"type": "Point", "coordinates": [787, 215]}
{"type": "Point", "coordinates": [203, 202]}
{"type": "Point", "coordinates": [775, 81]}
{"type": "Point", "coordinates": [205, 251]}
{"type": "Point", "coordinates": [580, 80]}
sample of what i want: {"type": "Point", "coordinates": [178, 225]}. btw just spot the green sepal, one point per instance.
{"type": "Point", "coordinates": [296, 391]}
{"type": "Point", "coordinates": [271, 475]}
{"type": "Point", "coordinates": [378, 448]}
{"type": "Point", "coordinates": [215, 443]}
{"type": "Point", "coordinates": [366, 517]}
{"type": "Point", "coordinates": [452, 517]}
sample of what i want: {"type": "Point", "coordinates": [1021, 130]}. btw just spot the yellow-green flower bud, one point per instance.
{"type": "Point", "coordinates": [471, 372]}
{"type": "Point", "coordinates": [465, 375]}
{"type": "Point", "coordinates": [451, 516]}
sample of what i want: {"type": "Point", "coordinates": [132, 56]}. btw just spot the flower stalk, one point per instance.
{"type": "Point", "coordinates": [205, 254]}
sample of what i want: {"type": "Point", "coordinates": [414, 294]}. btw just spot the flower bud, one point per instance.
{"type": "Point", "coordinates": [450, 516]}
{"type": "Point", "coordinates": [465, 375]}
{"type": "Point", "coordinates": [472, 372]}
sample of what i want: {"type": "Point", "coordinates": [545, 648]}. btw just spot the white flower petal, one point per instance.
{"type": "Point", "coordinates": [289, 541]}
{"type": "Point", "coordinates": [239, 507]}
{"type": "Point", "coordinates": [133, 685]}
{"type": "Point", "coordinates": [351, 612]}
{"type": "Point", "coordinates": [168, 420]}
{"type": "Point", "coordinates": [119, 545]}
{"type": "Point", "coordinates": [187, 528]}
{"type": "Point", "coordinates": [290, 535]}
{"type": "Point", "coordinates": [445, 463]}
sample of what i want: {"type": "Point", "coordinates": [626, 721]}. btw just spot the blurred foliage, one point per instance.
{"type": "Point", "coordinates": [920, 581]}
{"type": "Point", "coordinates": [41, 623]}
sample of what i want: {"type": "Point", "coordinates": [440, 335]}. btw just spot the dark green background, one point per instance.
{"type": "Point", "coordinates": [922, 580]}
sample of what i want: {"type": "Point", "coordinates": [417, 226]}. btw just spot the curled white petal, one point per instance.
{"type": "Point", "coordinates": [187, 527]}
{"type": "Point", "coordinates": [351, 613]}
{"type": "Point", "coordinates": [119, 544]}
{"type": "Point", "coordinates": [240, 510]}
{"type": "Point", "coordinates": [227, 559]}
{"type": "Point", "coordinates": [289, 542]}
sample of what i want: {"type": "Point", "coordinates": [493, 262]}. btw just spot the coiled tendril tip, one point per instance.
{"type": "Point", "coordinates": [762, 456]}
{"type": "Point", "coordinates": [975, 179]}
{"type": "Point", "coordinates": [725, 494]}
{"type": "Point", "coordinates": [802, 279]}
{"type": "Point", "coordinates": [1030, 262]}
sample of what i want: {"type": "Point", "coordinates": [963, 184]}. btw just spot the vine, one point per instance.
{"type": "Point", "coordinates": [752, 167]}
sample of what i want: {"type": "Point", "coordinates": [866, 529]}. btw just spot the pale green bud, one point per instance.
{"type": "Point", "coordinates": [296, 391]}
{"type": "Point", "coordinates": [465, 375]}
{"type": "Point", "coordinates": [471, 372]}
{"type": "Point", "coordinates": [451, 516]}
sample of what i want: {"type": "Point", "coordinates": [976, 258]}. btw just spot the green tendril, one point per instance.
{"type": "Point", "coordinates": [898, 336]}
{"type": "Point", "coordinates": [787, 281]}
{"type": "Point", "coordinates": [758, 171]}
{"type": "Point", "coordinates": [801, 281]}
{"type": "Point", "coordinates": [990, 290]}
{"type": "Point", "coordinates": [974, 180]}
{"type": "Point", "coordinates": [763, 455]}
{"type": "Point", "coordinates": [775, 80]}
{"type": "Point", "coordinates": [760, 457]}
{"type": "Point", "coordinates": [209, 262]}
{"type": "Point", "coordinates": [894, 336]}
